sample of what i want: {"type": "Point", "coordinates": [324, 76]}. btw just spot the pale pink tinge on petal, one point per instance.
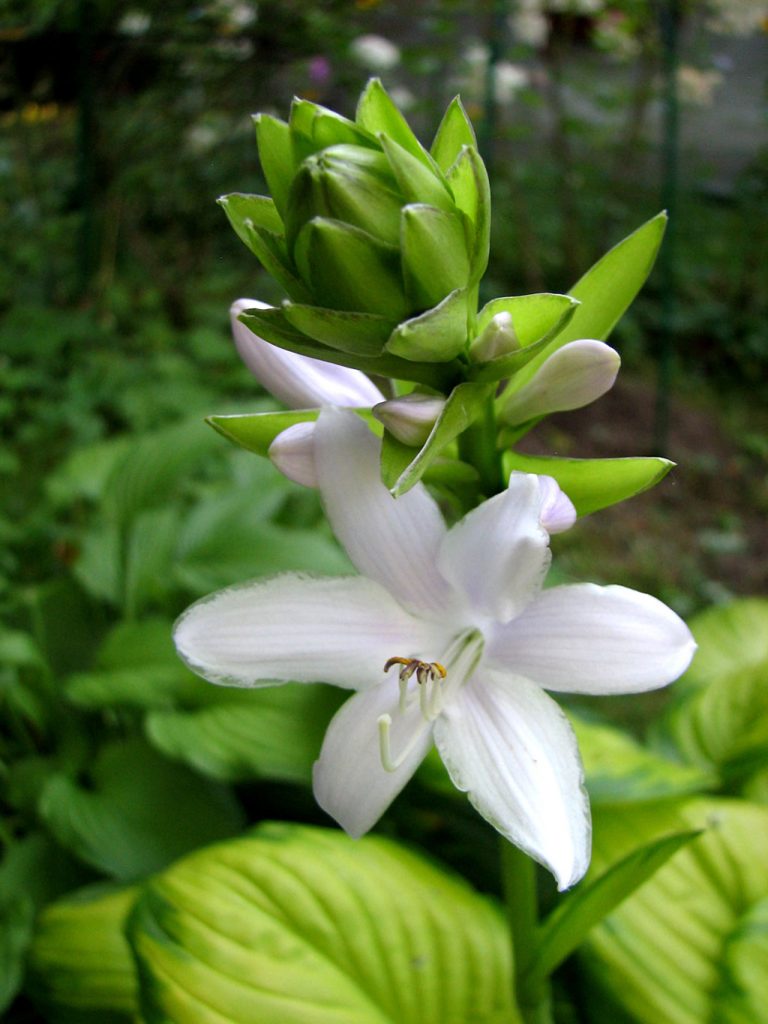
{"type": "Point", "coordinates": [557, 513]}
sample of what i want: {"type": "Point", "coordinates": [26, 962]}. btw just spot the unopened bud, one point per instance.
{"type": "Point", "coordinates": [411, 418]}
{"type": "Point", "coordinates": [293, 452]}
{"type": "Point", "coordinates": [573, 376]}
{"type": "Point", "coordinates": [498, 339]}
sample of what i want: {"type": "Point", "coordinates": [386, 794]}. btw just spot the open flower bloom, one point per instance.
{"type": "Point", "coordinates": [299, 381]}
{"type": "Point", "coordinates": [448, 638]}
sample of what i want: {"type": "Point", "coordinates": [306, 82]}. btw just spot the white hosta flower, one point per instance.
{"type": "Point", "coordinates": [447, 638]}
{"type": "Point", "coordinates": [293, 453]}
{"type": "Point", "coordinates": [299, 381]}
{"type": "Point", "coordinates": [498, 338]}
{"type": "Point", "coordinates": [572, 377]}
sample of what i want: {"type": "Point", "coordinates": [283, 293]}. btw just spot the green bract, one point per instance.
{"type": "Point", "coordinates": [379, 244]}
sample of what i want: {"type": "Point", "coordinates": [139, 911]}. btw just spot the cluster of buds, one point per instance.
{"type": "Point", "coordinates": [379, 243]}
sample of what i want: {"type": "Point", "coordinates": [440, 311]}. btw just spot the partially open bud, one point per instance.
{"type": "Point", "coordinates": [411, 418]}
{"type": "Point", "coordinates": [573, 376]}
{"type": "Point", "coordinates": [498, 339]}
{"type": "Point", "coordinates": [293, 452]}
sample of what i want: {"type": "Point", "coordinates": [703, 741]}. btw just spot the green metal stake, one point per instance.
{"type": "Point", "coordinates": [669, 25]}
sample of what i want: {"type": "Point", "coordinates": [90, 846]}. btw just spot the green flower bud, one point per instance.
{"type": "Point", "coordinates": [379, 244]}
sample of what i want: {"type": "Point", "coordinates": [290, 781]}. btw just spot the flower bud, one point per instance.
{"type": "Point", "coordinates": [410, 418]}
{"type": "Point", "coordinates": [293, 453]}
{"type": "Point", "coordinates": [499, 338]}
{"type": "Point", "coordinates": [573, 376]}
{"type": "Point", "coordinates": [379, 243]}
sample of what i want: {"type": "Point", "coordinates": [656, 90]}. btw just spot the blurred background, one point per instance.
{"type": "Point", "coordinates": [121, 122]}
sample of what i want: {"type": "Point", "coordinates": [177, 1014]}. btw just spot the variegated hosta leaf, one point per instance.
{"type": "Point", "coordinates": [688, 946]}
{"type": "Point", "coordinates": [296, 924]}
{"type": "Point", "coordinates": [80, 966]}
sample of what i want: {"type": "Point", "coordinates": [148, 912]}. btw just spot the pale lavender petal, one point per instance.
{"type": "Point", "coordinates": [299, 381]}
{"type": "Point", "coordinates": [350, 781]}
{"type": "Point", "coordinates": [588, 639]}
{"type": "Point", "coordinates": [410, 418]}
{"type": "Point", "coordinates": [293, 453]}
{"type": "Point", "coordinates": [498, 554]}
{"type": "Point", "coordinates": [557, 512]}
{"type": "Point", "coordinates": [509, 746]}
{"type": "Point", "coordinates": [573, 376]}
{"type": "Point", "coordinates": [393, 541]}
{"type": "Point", "coordinates": [294, 628]}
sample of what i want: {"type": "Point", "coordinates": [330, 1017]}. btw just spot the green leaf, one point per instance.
{"type": "Point", "coordinates": [271, 733]}
{"type": "Point", "coordinates": [361, 333]}
{"type": "Point", "coordinates": [350, 269]}
{"type": "Point", "coordinates": [298, 924]}
{"type": "Point", "coordinates": [255, 431]}
{"type": "Point", "coordinates": [154, 468]}
{"type": "Point", "coordinates": [731, 637]}
{"type": "Point", "coordinates": [723, 723]}
{"type": "Point", "coordinates": [536, 320]}
{"type": "Point", "coordinates": [660, 955]}
{"type": "Point", "coordinates": [417, 182]}
{"type": "Point", "coordinates": [742, 994]}
{"type": "Point", "coordinates": [455, 131]}
{"type": "Point", "coordinates": [620, 770]}
{"type": "Point", "coordinates": [80, 965]}
{"type": "Point", "coordinates": [15, 935]}
{"type": "Point", "coordinates": [275, 328]}
{"type": "Point", "coordinates": [270, 249]}
{"type": "Point", "coordinates": [322, 127]}
{"type": "Point", "coordinates": [401, 469]}
{"type": "Point", "coordinates": [592, 484]}
{"type": "Point", "coordinates": [377, 113]}
{"type": "Point", "coordinates": [138, 813]}
{"type": "Point", "coordinates": [584, 907]}
{"type": "Point", "coordinates": [273, 138]}
{"type": "Point", "coordinates": [607, 290]}
{"type": "Point", "coordinates": [258, 211]}
{"type": "Point", "coordinates": [468, 181]}
{"type": "Point", "coordinates": [83, 474]}
{"type": "Point", "coordinates": [150, 556]}
{"type": "Point", "coordinates": [438, 335]}
{"type": "Point", "coordinates": [434, 254]}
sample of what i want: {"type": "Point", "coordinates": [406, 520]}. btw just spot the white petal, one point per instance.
{"type": "Point", "coordinates": [498, 554]}
{"type": "Point", "coordinates": [557, 511]}
{"type": "Point", "coordinates": [573, 376]}
{"type": "Point", "coordinates": [293, 452]}
{"type": "Point", "coordinates": [292, 628]}
{"type": "Point", "coordinates": [393, 541]}
{"type": "Point", "coordinates": [510, 747]}
{"type": "Point", "coordinates": [299, 381]}
{"type": "Point", "coordinates": [589, 639]}
{"type": "Point", "coordinates": [350, 781]}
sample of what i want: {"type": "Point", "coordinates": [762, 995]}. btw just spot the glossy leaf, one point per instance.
{"type": "Point", "coordinates": [593, 484]}
{"type": "Point", "coordinates": [434, 253]}
{"type": "Point", "coordinates": [276, 155]}
{"type": "Point", "coordinates": [468, 180]}
{"type": "Point", "coordinates": [363, 333]}
{"type": "Point", "coordinates": [621, 770]}
{"type": "Point", "coordinates": [298, 924]}
{"type": "Point", "coordinates": [255, 431]}
{"type": "Point", "coordinates": [731, 637]}
{"type": "Point", "coordinates": [418, 183]}
{"type": "Point", "coordinates": [608, 288]}
{"type": "Point", "coordinates": [660, 955]}
{"type": "Point", "coordinates": [80, 965]}
{"type": "Point", "coordinates": [585, 906]}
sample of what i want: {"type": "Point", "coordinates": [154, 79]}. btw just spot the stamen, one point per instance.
{"type": "Point", "coordinates": [389, 763]}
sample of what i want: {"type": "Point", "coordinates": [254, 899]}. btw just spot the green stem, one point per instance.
{"type": "Point", "coordinates": [477, 446]}
{"type": "Point", "coordinates": [520, 898]}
